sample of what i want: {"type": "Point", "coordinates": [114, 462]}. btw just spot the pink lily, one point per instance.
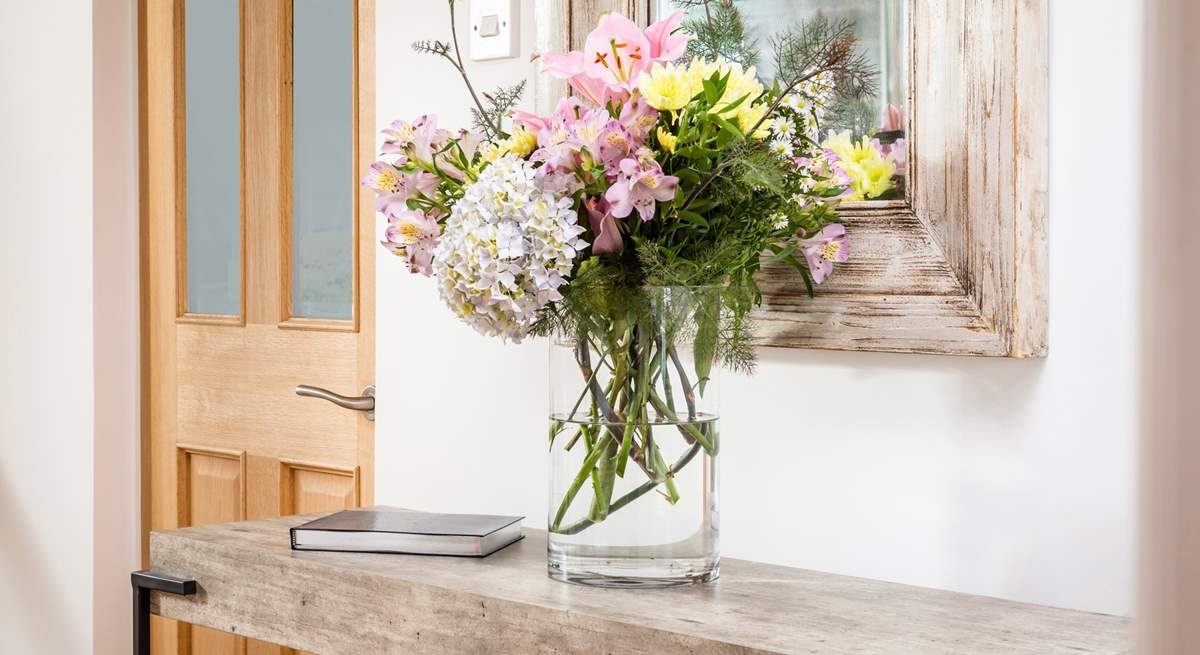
{"type": "Point", "coordinates": [829, 246]}
{"type": "Point", "coordinates": [570, 67]}
{"type": "Point", "coordinates": [607, 231]}
{"type": "Point", "coordinates": [639, 185]}
{"type": "Point", "coordinates": [616, 52]}
{"type": "Point", "coordinates": [531, 122]}
{"type": "Point", "coordinates": [665, 43]}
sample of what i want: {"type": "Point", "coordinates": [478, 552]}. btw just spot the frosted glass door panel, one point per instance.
{"type": "Point", "coordinates": [323, 176]}
{"type": "Point", "coordinates": [212, 156]}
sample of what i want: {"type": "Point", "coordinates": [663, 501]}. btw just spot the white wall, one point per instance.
{"type": "Point", "coordinates": [68, 340]}
{"type": "Point", "coordinates": [46, 349]}
{"type": "Point", "coordinates": [997, 477]}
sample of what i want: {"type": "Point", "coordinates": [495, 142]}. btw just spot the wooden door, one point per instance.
{"type": "Point", "coordinates": [258, 265]}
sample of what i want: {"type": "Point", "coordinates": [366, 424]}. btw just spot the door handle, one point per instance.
{"type": "Point", "coordinates": [364, 403]}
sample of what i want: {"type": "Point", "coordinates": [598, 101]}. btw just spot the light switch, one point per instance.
{"type": "Point", "coordinates": [489, 25]}
{"type": "Point", "coordinates": [495, 32]}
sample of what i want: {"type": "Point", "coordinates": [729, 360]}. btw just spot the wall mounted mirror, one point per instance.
{"type": "Point", "coordinates": [954, 262]}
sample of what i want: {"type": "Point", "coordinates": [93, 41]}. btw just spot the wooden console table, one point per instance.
{"type": "Point", "coordinates": [249, 581]}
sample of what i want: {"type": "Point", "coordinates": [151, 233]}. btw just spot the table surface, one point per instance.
{"type": "Point", "coordinates": [252, 583]}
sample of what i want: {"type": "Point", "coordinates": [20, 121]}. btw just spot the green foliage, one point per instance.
{"type": "Point", "coordinates": [719, 31]}
{"type": "Point", "coordinates": [496, 106]}
{"type": "Point", "coordinates": [850, 113]}
{"type": "Point", "coordinates": [818, 45]}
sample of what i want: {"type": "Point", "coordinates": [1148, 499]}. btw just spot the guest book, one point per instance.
{"type": "Point", "coordinates": [413, 533]}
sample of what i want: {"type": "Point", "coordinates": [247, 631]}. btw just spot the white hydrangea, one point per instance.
{"type": "Point", "coordinates": [507, 247]}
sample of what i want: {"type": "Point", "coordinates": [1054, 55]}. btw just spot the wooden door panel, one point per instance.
{"type": "Point", "coordinates": [212, 485]}
{"type": "Point", "coordinates": [212, 489]}
{"type": "Point", "coordinates": [227, 439]}
{"type": "Point", "coordinates": [237, 384]}
{"type": "Point", "coordinates": [306, 488]}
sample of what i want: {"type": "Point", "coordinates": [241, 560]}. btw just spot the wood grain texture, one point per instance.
{"type": "Point", "coordinates": [252, 583]}
{"type": "Point", "coordinates": [959, 267]}
{"type": "Point", "coordinates": [552, 30]}
{"type": "Point", "coordinates": [226, 437]}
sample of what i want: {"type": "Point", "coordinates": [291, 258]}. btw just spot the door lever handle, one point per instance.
{"type": "Point", "coordinates": [364, 403]}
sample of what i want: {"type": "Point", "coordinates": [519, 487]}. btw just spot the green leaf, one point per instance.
{"type": "Point", "coordinates": [804, 273]}
{"type": "Point", "coordinates": [781, 253]}
{"type": "Point", "coordinates": [704, 349]}
{"type": "Point", "coordinates": [696, 152]}
{"type": "Point", "coordinates": [733, 105]}
{"type": "Point", "coordinates": [688, 176]}
{"type": "Point", "coordinates": [693, 217]}
{"type": "Point", "coordinates": [729, 128]}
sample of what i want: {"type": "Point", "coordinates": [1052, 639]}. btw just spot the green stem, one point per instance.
{"type": "Point", "coordinates": [689, 395]}
{"type": "Point", "coordinates": [643, 489]}
{"type": "Point", "coordinates": [688, 428]}
{"type": "Point", "coordinates": [638, 409]}
{"type": "Point", "coordinates": [584, 472]}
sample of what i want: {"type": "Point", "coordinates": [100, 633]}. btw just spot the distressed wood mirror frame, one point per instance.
{"type": "Point", "coordinates": [959, 266]}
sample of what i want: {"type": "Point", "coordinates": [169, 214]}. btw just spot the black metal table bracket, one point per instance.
{"type": "Point", "coordinates": [143, 583]}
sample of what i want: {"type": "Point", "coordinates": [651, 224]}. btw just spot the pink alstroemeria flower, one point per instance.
{"type": "Point", "coordinates": [822, 251]}
{"type": "Point", "coordinates": [665, 44]}
{"type": "Point", "coordinates": [608, 239]}
{"type": "Point", "coordinates": [559, 181]}
{"type": "Point", "coordinates": [638, 116]}
{"type": "Point", "coordinates": [616, 144]}
{"type": "Point", "coordinates": [427, 139]}
{"type": "Point", "coordinates": [898, 153]}
{"type": "Point", "coordinates": [584, 134]}
{"type": "Point", "coordinates": [398, 136]}
{"type": "Point", "coordinates": [639, 185]}
{"type": "Point", "coordinates": [395, 187]}
{"type": "Point", "coordinates": [413, 236]}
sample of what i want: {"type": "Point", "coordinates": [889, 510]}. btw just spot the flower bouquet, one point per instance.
{"type": "Point", "coordinates": [627, 227]}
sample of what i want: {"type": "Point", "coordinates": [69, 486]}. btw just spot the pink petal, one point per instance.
{"type": "Point", "coordinates": [665, 46]}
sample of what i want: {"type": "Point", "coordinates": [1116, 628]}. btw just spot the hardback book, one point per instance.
{"type": "Point", "coordinates": [412, 533]}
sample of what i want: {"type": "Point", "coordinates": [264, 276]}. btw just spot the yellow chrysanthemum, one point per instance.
{"type": "Point", "coordinates": [667, 140]}
{"type": "Point", "coordinates": [869, 171]}
{"type": "Point", "coordinates": [491, 152]}
{"type": "Point", "coordinates": [699, 70]}
{"type": "Point", "coordinates": [748, 116]}
{"type": "Point", "coordinates": [666, 88]}
{"type": "Point", "coordinates": [521, 143]}
{"type": "Point", "coordinates": [742, 82]}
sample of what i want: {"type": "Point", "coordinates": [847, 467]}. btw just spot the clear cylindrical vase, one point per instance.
{"type": "Point", "coordinates": [634, 437]}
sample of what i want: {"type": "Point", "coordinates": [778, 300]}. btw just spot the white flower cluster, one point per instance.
{"type": "Point", "coordinates": [507, 247]}
{"type": "Point", "coordinates": [804, 111]}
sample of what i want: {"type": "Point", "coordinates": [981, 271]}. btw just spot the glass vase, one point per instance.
{"type": "Point", "coordinates": [634, 437]}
